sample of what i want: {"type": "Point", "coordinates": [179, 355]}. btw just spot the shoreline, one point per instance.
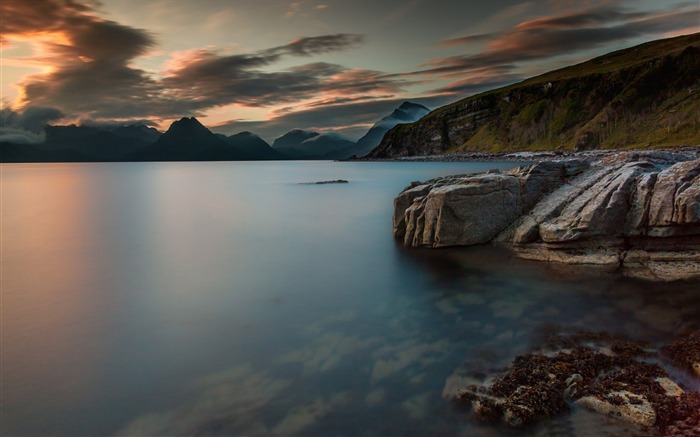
{"type": "Point", "coordinates": [529, 156]}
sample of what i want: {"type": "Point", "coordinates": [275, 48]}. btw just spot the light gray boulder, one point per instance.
{"type": "Point", "coordinates": [598, 211]}
{"type": "Point", "coordinates": [403, 202]}
{"type": "Point", "coordinates": [625, 210]}
{"type": "Point", "coordinates": [675, 203]}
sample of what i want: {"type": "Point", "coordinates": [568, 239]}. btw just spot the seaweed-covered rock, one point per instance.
{"type": "Point", "coordinates": [604, 373]}
{"type": "Point", "coordinates": [624, 405]}
{"type": "Point", "coordinates": [685, 352]}
{"type": "Point", "coordinates": [684, 417]}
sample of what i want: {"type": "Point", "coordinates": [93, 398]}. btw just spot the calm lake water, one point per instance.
{"type": "Point", "coordinates": [227, 298]}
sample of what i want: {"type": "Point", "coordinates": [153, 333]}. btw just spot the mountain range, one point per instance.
{"type": "Point", "coordinates": [641, 97]}
{"type": "Point", "coordinates": [301, 144]}
{"type": "Point", "coordinates": [189, 140]}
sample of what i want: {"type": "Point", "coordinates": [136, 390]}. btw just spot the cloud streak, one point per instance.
{"type": "Point", "coordinates": [551, 36]}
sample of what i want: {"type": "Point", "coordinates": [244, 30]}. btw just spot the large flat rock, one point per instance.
{"type": "Point", "coordinates": [635, 211]}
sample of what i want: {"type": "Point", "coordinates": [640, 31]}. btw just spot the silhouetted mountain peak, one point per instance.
{"type": "Point", "coordinates": [407, 106]}
{"type": "Point", "coordinates": [186, 124]}
{"type": "Point", "coordinates": [243, 134]}
{"type": "Point", "coordinates": [407, 112]}
{"type": "Point", "coordinates": [251, 147]}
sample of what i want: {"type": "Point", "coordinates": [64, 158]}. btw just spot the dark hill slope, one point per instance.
{"type": "Point", "coordinates": [188, 140]}
{"type": "Point", "coordinates": [648, 95]}
{"type": "Point", "coordinates": [253, 148]}
{"type": "Point", "coordinates": [408, 112]}
{"type": "Point", "coordinates": [86, 143]}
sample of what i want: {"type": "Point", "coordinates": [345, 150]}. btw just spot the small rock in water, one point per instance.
{"type": "Point", "coordinates": [335, 181]}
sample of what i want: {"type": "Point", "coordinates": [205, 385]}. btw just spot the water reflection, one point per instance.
{"type": "Point", "coordinates": [224, 298]}
{"type": "Point", "coordinates": [46, 297]}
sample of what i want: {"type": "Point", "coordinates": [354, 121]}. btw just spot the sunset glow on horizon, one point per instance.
{"type": "Point", "coordinates": [268, 67]}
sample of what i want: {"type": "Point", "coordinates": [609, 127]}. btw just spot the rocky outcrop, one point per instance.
{"type": "Point", "coordinates": [635, 211]}
{"type": "Point", "coordinates": [604, 373]}
{"type": "Point", "coordinates": [632, 98]}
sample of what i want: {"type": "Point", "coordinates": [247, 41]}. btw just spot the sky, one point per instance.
{"type": "Point", "coordinates": [269, 66]}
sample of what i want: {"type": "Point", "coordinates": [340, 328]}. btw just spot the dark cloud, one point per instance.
{"type": "Point", "coordinates": [464, 40]}
{"type": "Point", "coordinates": [108, 41]}
{"type": "Point", "coordinates": [22, 16]}
{"type": "Point", "coordinates": [34, 118]}
{"type": "Point", "coordinates": [214, 80]}
{"type": "Point", "coordinates": [318, 68]}
{"type": "Point", "coordinates": [336, 101]}
{"type": "Point", "coordinates": [93, 76]}
{"type": "Point", "coordinates": [317, 45]}
{"type": "Point", "coordinates": [602, 15]}
{"type": "Point", "coordinates": [91, 72]}
{"type": "Point", "coordinates": [31, 118]}
{"type": "Point", "coordinates": [548, 37]}
{"type": "Point", "coordinates": [26, 126]}
{"type": "Point", "coordinates": [471, 86]}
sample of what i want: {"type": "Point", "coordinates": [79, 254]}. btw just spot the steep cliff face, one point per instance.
{"type": "Point", "coordinates": [648, 95]}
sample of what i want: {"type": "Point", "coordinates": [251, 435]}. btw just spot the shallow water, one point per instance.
{"type": "Point", "coordinates": [228, 298]}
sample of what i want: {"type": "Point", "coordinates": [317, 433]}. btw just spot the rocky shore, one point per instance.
{"type": "Point", "coordinates": [608, 374]}
{"type": "Point", "coordinates": [637, 212]}
{"type": "Point", "coordinates": [540, 156]}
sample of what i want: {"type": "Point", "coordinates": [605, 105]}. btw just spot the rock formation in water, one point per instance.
{"type": "Point", "coordinates": [604, 373]}
{"type": "Point", "coordinates": [685, 353]}
{"type": "Point", "coordinates": [635, 211]}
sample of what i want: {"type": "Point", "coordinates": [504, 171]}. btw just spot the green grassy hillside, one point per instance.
{"type": "Point", "coordinates": [644, 96]}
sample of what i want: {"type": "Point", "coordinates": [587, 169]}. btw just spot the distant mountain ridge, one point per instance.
{"type": "Point", "coordinates": [408, 112]}
{"type": "Point", "coordinates": [293, 138]}
{"type": "Point", "coordinates": [253, 148]}
{"type": "Point", "coordinates": [81, 144]}
{"type": "Point", "coordinates": [643, 96]}
{"type": "Point", "coordinates": [301, 144]}
{"type": "Point", "coordinates": [187, 139]}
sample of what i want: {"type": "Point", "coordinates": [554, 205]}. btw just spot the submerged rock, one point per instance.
{"type": "Point", "coordinates": [636, 211]}
{"type": "Point", "coordinates": [603, 373]}
{"type": "Point", "coordinates": [685, 353]}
